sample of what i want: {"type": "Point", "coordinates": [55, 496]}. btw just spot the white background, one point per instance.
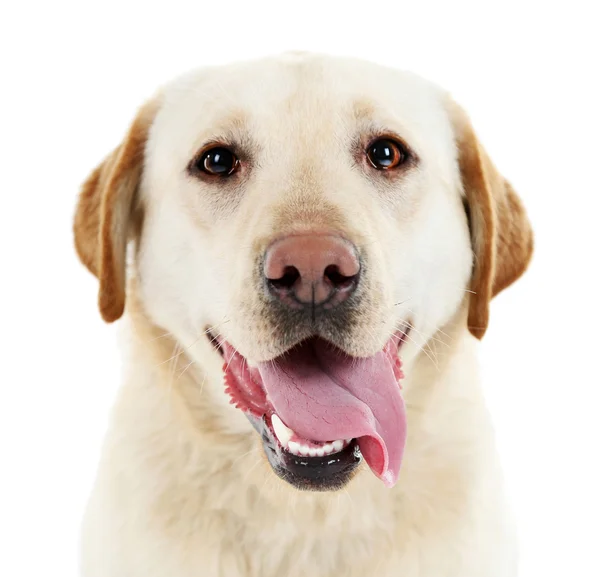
{"type": "Point", "coordinates": [72, 76]}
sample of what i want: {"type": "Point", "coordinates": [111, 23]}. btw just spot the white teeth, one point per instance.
{"type": "Point", "coordinates": [284, 434]}
{"type": "Point", "coordinates": [327, 449]}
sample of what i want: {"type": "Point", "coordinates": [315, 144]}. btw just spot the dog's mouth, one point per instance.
{"type": "Point", "coordinates": [319, 410]}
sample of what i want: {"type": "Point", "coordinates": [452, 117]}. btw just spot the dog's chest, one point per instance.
{"type": "Point", "coordinates": [331, 537]}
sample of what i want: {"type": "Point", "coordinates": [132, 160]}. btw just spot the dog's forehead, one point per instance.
{"type": "Point", "coordinates": [279, 98]}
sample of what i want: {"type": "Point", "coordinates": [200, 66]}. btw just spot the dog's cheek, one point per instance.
{"type": "Point", "coordinates": [171, 272]}
{"type": "Point", "coordinates": [433, 273]}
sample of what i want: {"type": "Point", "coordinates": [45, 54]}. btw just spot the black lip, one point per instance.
{"type": "Point", "coordinates": [328, 473]}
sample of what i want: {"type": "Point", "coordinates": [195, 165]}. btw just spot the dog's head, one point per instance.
{"type": "Point", "coordinates": [305, 218]}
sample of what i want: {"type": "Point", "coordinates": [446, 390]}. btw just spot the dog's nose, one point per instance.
{"type": "Point", "coordinates": [312, 269]}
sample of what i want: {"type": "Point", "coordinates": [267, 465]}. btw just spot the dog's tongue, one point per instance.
{"type": "Point", "coordinates": [324, 395]}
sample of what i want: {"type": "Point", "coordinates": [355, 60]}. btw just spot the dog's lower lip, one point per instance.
{"type": "Point", "coordinates": [314, 473]}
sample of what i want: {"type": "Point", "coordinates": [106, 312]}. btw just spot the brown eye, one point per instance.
{"type": "Point", "coordinates": [218, 161]}
{"type": "Point", "coordinates": [385, 154]}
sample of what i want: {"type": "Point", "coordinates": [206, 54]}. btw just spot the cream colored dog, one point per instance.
{"type": "Point", "coordinates": [315, 243]}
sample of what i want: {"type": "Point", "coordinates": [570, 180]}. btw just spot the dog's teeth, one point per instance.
{"type": "Point", "coordinates": [284, 434]}
{"type": "Point", "coordinates": [301, 450]}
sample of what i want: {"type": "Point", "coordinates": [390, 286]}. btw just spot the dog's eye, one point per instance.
{"type": "Point", "coordinates": [385, 154]}
{"type": "Point", "coordinates": [218, 161]}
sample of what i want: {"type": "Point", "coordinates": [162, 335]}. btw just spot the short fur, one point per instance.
{"type": "Point", "coordinates": [183, 488]}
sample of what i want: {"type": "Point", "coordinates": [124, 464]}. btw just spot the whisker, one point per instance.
{"type": "Point", "coordinates": [183, 350]}
{"type": "Point", "coordinates": [437, 330]}
{"type": "Point", "coordinates": [171, 375]}
{"type": "Point", "coordinates": [268, 478]}
{"type": "Point", "coordinates": [166, 334]}
{"type": "Point", "coordinates": [348, 496]}
{"type": "Point", "coordinates": [171, 358]}
{"type": "Point", "coordinates": [426, 343]}
{"type": "Point", "coordinates": [251, 469]}
{"type": "Point", "coordinates": [185, 369]}
{"type": "Point", "coordinates": [202, 385]}
{"type": "Point", "coordinates": [253, 450]}
{"type": "Point", "coordinates": [434, 361]}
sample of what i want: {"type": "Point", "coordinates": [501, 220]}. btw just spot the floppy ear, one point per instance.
{"type": "Point", "coordinates": [501, 234]}
{"type": "Point", "coordinates": [106, 206]}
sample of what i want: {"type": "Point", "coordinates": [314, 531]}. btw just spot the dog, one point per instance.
{"type": "Point", "coordinates": [305, 248]}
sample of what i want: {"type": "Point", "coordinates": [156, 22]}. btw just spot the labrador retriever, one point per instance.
{"type": "Point", "coordinates": [305, 249]}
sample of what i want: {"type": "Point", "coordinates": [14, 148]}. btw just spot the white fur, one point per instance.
{"type": "Point", "coordinates": [175, 499]}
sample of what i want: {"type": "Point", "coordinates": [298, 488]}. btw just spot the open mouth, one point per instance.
{"type": "Point", "coordinates": [320, 411]}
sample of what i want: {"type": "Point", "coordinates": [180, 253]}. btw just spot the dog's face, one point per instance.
{"type": "Point", "coordinates": [304, 218]}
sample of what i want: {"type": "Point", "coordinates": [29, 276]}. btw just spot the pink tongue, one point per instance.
{"type": "Point", "coordinates": [324, 396]}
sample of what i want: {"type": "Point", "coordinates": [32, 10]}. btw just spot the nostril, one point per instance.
{"type": "Point", "coordinates": [289, 278]}
{"type": "Point", "coordinates": [311, 269]}
{"type": "Point", "coordinates": [337, 279]}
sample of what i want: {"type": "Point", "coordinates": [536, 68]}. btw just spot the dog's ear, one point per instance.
{"type": "Point", "coordinates": [501, 234]}
{"type": "Point", "coordinates": [105, 211]}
